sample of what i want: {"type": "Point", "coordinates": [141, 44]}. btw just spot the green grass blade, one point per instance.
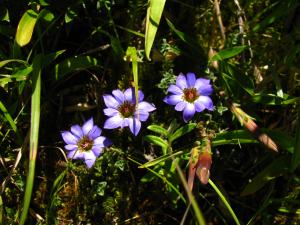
{"type": "Point", "coordinates": [25, 27]}
{"type": "Point", "coordinates": [11, 122]}
{"type": "Point", "coordinates": [34, 134]}
{"type": "Point", "coordinates": [154, 12]}
{"type": "Point", "coordinates": [222, 197]}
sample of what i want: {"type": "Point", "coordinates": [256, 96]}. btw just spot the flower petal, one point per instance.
{"type": "Point", "coordinates": [75, 155]}
{"type": "Point", "coordinates": [113, 122]}
{"type": "Point", "coordinates": [110, 101]}
{"type": "Point", "coordinates": [203, 86]}
{"type": "Point", "coordinates": [146, 106]}
{"type": "Point", "coordinates": [94, 133]}
{"type": "Point", "coordinates": [130, 96]}
{"type": "Point", "coordinates": [173, 99]}
{"type": "Point", "coordinates": [69, 138]}
{"type": "Point", "coordinates": [207, 102]}
{"type": "Point", "coordinates": [181, 81]}
{"type": "Point", "coordinates": [188, 112]}
{"type": "Point", "coordinates": [89, 158]}
{"type": "Point", "coordinates": [97, 150]}
{"type": "Point", "coordinates": [88, 126]}
{"type": "Point", "coordinates": [102, 142]}
{"type": "Point", "coordinates": [199, 106]}
{"type": "Point", "coordinates": [110, 112]}
{"type": "Point", "coordinates": [76, 130]}
{"type": "Point", "coordinates": [135, 126]}
{"type": "Point", "coordinates": [180, 106]}
{"type": "Point", "coordinates": [190, 78]}
{"type": "Point", "coordinates": [175, 90]}
{"type": "Point", "coordinates": [141, 115]}
{"type": "Point", "coordinates": [71, 147]}
{"type": "Point", "coordinates": [125, 123]}
{"type": "Point", "coordinates": [119, 96]}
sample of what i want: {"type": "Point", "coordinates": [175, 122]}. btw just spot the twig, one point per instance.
{"type": "Point", "coordinates": [219, 17]}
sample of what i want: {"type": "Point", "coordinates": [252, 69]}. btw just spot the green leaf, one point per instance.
{"type": "Point", "coordinates": [20, 74]}
{"type": "Point", "coordinates": [70, 15]}
{"type": "Point", "coordinates": [46, 15]}
{"type": "Point", "coordinates": [184, 37]}
{"type": "Point", "coordinates": [11, 122]}
{"type": "Point", "coordinates": [284, 140]}
{"type": "Point", "coordinates": [154, 12]}
{"type": "Point", "coordinates": [49, 58]}
{"type": "Point", "coordinates": [271, 99]}
{"type": "Point", "coordinates": [4, 62]}
{"type": "Point", "coordinates": [157, 141]}
{"type": "Point", "coordinates": [158, 129]}
{"type": "Point", "coordinates": [25, 27]}
{"type": "Point", "coordinates": [161, 159]}
{"type": "Point", "coordinates": [277, 168]}
{"type": "Point", "coordinates": [233, 137]}
{"type": "Point", "coordinates": [182, 131]}
{"type": "Point", "coordinates": [228, 53]}
{"type": "Point", "coordinates": [74, 63]}
{"type": "Point", "coordinates": [224, 200]}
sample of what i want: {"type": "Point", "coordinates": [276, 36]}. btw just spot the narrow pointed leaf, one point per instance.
{"type": "Point", "coordinates": [277, 168]}
{"type": "Point", "coordinates": [154, 12]}
{"type": "Point", "coordinates": [228, 53]}
{"type": "Point", "coordinates": [182, 131]}
{"type": "Point", "coordinates": [161, 159]}
{"type": "Point", "coordinates": [158, 129]}
{"type": "Point", "coordinates": [75, 63]}
{"type": "Point", "coordinates": [157, 141]}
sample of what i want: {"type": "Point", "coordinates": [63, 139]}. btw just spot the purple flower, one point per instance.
{"type": "Point", "coordinates": [123, 110]}
{"type": "Point", "coordinates": [190, 95]}
{"type": "Point", "coordinates": [85, 142]}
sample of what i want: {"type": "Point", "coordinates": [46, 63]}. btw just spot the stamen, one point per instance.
{"type": "Point", "coordinates": [190, 94]}
{"type": "Point", "coordinates": [127, 109]}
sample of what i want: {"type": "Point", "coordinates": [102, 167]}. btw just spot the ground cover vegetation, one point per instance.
{"type": "Point", "coordinates": [149, 112]}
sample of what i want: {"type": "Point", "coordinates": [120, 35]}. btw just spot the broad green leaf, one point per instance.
{"type": "Point", "coordinates": [25, 27]}
{"type": "Point", "coordinates": [74, 63]}
{"type": "Point", "coordinates": [277, 168]}
{"type": "Point", "coordinates": [161, 159]}
{"type": "Point", "coordinates": [157, 141]}
{"type": "Point", "coordinates": [228, 53]}
{"type": "Point", "coordinates": [296, 155]}
{"type": "Point", "coordinates": [182, 131]}
{"type": "Point", "coordinates": [154, 12]}
{"type": "Point", "coordinates": [158, 129]}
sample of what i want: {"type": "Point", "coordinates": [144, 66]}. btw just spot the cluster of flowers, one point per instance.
{"type": "Point", "coordinates": [189, 95]}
